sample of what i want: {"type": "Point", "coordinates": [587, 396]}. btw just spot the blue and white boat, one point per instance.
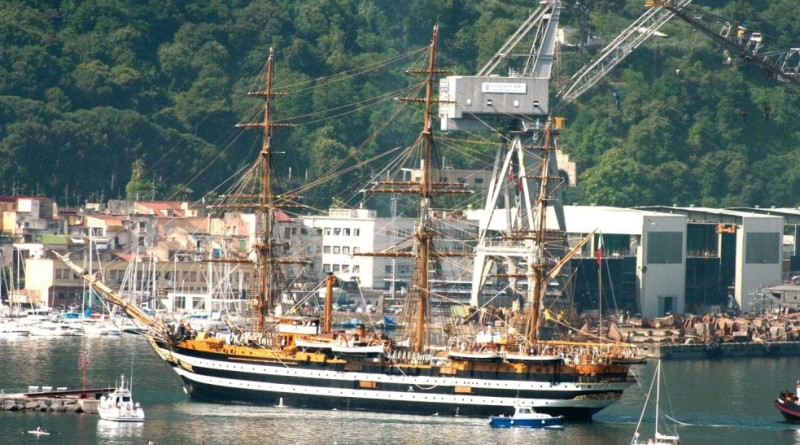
{"type": "Point", "coordinates": [526, 417]}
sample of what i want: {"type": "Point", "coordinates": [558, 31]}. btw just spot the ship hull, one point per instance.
{"type": "Point", "coordinates": [380, 386]}
{"type": "Point", "coordinates": [789, 408]}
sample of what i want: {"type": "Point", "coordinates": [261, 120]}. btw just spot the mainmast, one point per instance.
{"type": "Point", "coordinates": [425, 188]}
{"type": "Point", "coordinates": [424, 229]}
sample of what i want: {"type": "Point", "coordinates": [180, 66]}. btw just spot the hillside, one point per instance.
{"type": "Point", "coordinates": [93, 93]}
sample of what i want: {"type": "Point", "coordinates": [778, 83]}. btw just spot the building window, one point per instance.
{"type": "Point", "coordinates": [346, 232]}
{"type": "Point", "coordinates": [345, 249]}
{"type": "Point", "coordinates": [326, 267]}
{"type": "Point", "coordinates": [326, 249]}
{"type": "Point", "coordinates": [337, 249]}
{"type": "Point", "coordinates": [388, 268]}
{"type": "Point", "coordinates": [336, 268]}
{"type": "Point", "coordinates": [337, 231]}
{"type": "Point", "coordinates": [356, 250]}
{"type": "Point", "coordinates": [328, 231]}
{"type": "Point", "coordinates": [356, 268]}
{"type": "Point", "coordinates": [356, 232]}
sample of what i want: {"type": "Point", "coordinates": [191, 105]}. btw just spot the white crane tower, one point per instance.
{"type": "Point", "coordinates": [515, 105]}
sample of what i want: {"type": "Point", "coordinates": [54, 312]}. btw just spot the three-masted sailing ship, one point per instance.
{"type": "Point", "coordinates": [300, 361]}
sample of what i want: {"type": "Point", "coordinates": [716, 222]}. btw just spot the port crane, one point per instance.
{"type": "Point", "coordinates": [783, 65]}
{"type": "Point", "coordinates": [519, 102]}
{"type": "Point", "coordinates": [613, 53]}
{"type": "Point", "coordinates": [514, 103]}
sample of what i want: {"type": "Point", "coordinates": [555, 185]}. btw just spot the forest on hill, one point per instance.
{"type": "Point", "coordinates": [108, 99]}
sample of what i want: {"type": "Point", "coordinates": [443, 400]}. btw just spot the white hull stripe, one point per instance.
{"type": "Point", "coordinates": [444, 399]}
{"type": "Point", "coordinates": [414, 383]}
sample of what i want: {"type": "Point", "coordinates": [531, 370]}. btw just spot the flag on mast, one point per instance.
{"type": "Point", "coordinates": [599, 249]}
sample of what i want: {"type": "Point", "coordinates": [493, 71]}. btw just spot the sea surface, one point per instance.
{"type": "Point", "coordinates": [725, 401]}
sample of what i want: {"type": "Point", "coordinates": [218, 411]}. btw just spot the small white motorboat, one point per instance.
{"type": "Point", "coordinates": [119, 405]}
{"type": "Point", "coordinates": [526, 416]}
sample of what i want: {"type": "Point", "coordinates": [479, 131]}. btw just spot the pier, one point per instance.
{"type": "Point", "coordinates": [677, 351]}
{"type": "Point", "coordinates": [60, 400]}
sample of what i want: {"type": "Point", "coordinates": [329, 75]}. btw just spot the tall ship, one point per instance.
{"type": "Point", "coordinates": [297, 359]}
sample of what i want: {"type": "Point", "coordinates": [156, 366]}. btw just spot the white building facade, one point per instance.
{"type": "Point", "coordinates": [348, 233]}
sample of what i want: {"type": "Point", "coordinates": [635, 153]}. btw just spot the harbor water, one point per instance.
{"type": "Point", "coordinates": [725, 401]}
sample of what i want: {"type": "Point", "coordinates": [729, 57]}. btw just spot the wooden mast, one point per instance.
{"type": "Point", "coordinates": [423, 235]}
{"type": "Point", "coordinates": [425, 188]}
{"type": "Point", "coordinates": [330, 280]}
{"type": "Point", "coordinates": [265, 209]}
{"type": "Point", "coordinates": [537, 266]}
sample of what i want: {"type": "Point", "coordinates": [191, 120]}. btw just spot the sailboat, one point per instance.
{"type": "Point", "coordinates": [298, 360]}
{"type": "Point", "coordinates": [658, 438]}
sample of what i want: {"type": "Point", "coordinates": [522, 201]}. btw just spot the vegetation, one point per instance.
{"type": "Point", "coordinates": [111, 98]}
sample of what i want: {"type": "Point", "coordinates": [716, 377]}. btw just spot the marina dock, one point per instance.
{"type": "Point", "coordinates": [676, 351]}
{"type": "Point", "coordinates": [60, 400]}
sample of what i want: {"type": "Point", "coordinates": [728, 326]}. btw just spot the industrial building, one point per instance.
{"type": "Point", "coordinates": [680, 259]}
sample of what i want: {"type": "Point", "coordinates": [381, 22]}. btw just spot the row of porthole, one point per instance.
{"type": "Point", "coordinates": [385, 394]}
{"type": "Point", "coordinates": [444, 382]}
{"type": "Point", "coordinates": [441, 382]}
{"type": "Point", "coordinates": [388, 394]}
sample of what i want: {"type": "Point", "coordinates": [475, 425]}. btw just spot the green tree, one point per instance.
{"type": "Point", "coordinates": [139, 187]}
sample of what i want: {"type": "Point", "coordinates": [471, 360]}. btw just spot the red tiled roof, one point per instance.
{"type": "Point", "coordinates": [109, 219]}
{"type": "Point", "coordinates": [281, 216]}
{"type": "Point", "coordinates": [161, 208]}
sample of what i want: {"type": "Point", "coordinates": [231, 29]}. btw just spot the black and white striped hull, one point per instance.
{"type": "Point", "coordinates": [383, 388]}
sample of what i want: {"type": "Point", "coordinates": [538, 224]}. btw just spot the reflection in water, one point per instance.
{"type": "Point", "coordinates": [722, 401]}
{"type": "Point", "coordinates": [109, 431]}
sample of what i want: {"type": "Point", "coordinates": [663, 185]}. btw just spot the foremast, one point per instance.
{"type": "Point", "coordinates": [265, 203]}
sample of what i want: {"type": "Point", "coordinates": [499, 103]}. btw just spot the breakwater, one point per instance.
{"type": "Point", "coordinates": [20, 402]}
{"type": "Point", "coordinates": [60, 400]}
{"type": "Point", "coordinates": [720, 350]}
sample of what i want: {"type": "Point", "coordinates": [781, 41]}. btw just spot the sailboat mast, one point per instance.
{"type": "Point", "coordinates": [537, 266]}
{"type": "Point", "coordinates": [424, 187]}
{"type": "Point", "coordinates": [423, 234]}
{"type": "Point", "coordinates": [658, 397]}
{"type": "Point", "coordinates": [265, 264]}
{"type": "Point", "coordinates": [600, 287]}
{"type": "Point", "coordinates": [265, 201]}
